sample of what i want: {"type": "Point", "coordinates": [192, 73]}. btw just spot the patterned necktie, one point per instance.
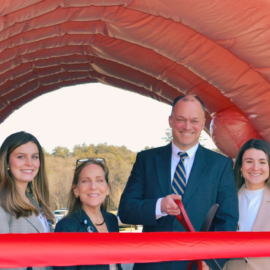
{"type": "Point", "coordinates": [179, 179]}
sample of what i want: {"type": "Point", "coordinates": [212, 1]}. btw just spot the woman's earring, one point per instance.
{"type": "Point", "coordinates": [77, 196]}
{"type": "Point", "coordinates": [107, 194]}
{"type": "Point", "coordinates": [8, 168]}
{"type": "Point", "coordinates": [241, 175]}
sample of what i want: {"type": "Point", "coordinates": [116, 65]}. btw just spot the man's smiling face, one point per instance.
{"type": "Point", "coordinates": [187, 122]}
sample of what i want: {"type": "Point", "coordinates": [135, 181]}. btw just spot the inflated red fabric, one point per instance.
{"type": "Point", "coordinates": [161, 49]}
{"type": "Point", "coordinates": [225, 125]}
{"type": "Point", "coordinates": [59, 249]}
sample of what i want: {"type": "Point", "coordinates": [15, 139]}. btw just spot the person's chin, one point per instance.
{"type": "Point", "coordinates": [26, 180]}
{"type": "Point", "coordinates": [187, 141]}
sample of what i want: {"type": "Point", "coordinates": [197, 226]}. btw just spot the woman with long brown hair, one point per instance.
{"type": "Point", "coordinates": [24, 192]}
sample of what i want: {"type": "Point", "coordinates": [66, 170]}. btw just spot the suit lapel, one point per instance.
{"type": "Point", "coordinates": [163, 165]}
{"type": "Point", "coordinates": [199, 167]}
{"type": "Point", "coordinates": [86, 224]}
{"type": "Point", "coordinates": [35, 222]}
{"type": "Point", "coordinates": [264, 211]}
{"type": "Point", "coordinates": [33, 219]}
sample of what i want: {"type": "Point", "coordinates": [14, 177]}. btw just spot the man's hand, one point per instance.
{"type": "Point", "coordinates": [169, 206]}
{"type": "Point", "coordinates": [205, 266]}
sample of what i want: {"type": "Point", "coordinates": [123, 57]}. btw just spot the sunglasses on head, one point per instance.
{"type": "Point", "coordinates": [78, 161]}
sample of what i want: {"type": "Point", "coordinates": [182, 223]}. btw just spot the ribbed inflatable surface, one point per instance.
{"type": "Point", "coordinates": [218, 50]}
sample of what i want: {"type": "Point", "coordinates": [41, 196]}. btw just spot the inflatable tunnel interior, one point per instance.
{"type": "Point", "coordinates": [218, 50]}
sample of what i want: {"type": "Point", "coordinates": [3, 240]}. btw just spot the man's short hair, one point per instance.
{"type": "Point", "coordinates": [185, 98]}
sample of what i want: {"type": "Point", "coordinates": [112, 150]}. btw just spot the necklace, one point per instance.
{"type": "Point", "coordinates": [100, 223]}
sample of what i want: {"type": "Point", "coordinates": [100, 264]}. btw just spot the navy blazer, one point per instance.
{"type": "Point", "coordinates": [211, 181]}
{"type": "Point", "coordinates": [80, 222]}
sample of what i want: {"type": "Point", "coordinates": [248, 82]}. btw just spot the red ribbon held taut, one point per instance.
{"type": "Point", "coordinates": [60, 249]}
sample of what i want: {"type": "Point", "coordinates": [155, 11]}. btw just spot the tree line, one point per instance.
{"type": "Point", "coordinates": [60, 166]}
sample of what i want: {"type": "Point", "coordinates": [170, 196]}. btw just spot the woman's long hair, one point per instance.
{"type": "Point", "coordinates": [74, 203]}
{"type": "Point", "coordinates": [10, 198]}
{"type": "Point", "coordinates": [251, 144]}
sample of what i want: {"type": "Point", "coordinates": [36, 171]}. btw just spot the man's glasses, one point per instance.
{"type": "Point", "coordinates": [78, 161]}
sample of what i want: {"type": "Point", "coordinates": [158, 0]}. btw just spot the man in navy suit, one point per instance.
{"type": "Point", "coordinates": [148, 198]}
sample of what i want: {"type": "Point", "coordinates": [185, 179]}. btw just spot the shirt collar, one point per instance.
{"type": "Point", "coordinates": [191, 152]}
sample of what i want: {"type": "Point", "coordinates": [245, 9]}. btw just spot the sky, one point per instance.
{"type": "Point", "coordinates": [93, 113]}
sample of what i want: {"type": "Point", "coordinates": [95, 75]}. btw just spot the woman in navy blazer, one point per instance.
{"type": "Point", "coordinates": [87, 204]}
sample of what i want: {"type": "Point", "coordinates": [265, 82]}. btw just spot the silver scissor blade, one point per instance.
{"type": "Point", "coordinates": [214, 265]}
{"type": "Point", "coordinates": [209, 217]}
{"type": "Point", "coordinates": [205, 227]}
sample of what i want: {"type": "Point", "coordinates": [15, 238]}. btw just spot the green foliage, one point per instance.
{"type": "Point", "coordinates": [83, 151]}
{"type": "Point", "coordinates": [148, 147]}
{"type": "Point", "coordinates": [59, 151]}
{"type": "Point", "coordinates": [60, 173]}
{"type": "Point", "coordinates": [46, 154]}
{"type": "Point", "coordinates": [202, 140]}
{"type": "Point", "coordinates": [168, 138]}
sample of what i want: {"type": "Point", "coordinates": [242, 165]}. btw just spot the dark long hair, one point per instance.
{"type": "Point", "coordinates": [251, 144]}
{"type": "Point", "coordinates": [74, 203]}
{"type": "Point", "coordinates": [10, 198]}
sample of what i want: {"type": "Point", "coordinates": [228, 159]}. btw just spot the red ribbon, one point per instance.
{"type": "Point", "coordinates": [184, 220]}
{"type": "Point", "coordinates": [60, 249]}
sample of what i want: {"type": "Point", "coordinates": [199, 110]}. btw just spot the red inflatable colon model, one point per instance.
{"type": "Point", "coordinates": [160, 49]}
{"type": "Point", "coordinates": [230, 130]}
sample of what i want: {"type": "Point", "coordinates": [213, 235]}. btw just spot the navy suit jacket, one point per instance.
{"type": "Point", "coordinates": [211, 181]}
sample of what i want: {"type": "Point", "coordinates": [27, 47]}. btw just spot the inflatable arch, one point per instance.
{"type": "Point", "coordinates": [218, 50]}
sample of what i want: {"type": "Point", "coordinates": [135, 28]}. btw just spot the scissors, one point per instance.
{"type": "Point", "coordinates": [184, 220]}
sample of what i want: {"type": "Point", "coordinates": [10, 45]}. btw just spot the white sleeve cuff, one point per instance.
{"type": "Point", "coordinates": [159, 214]}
